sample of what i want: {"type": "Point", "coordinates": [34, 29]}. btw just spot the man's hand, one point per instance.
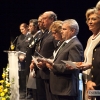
{"type": "Point", "coordinates": [41, 64]}
{"type": "Point", "coordinates": [90, 86]}
{"type": "Point", "coordinates": [48, 65]}
{"type": "Point", "coordinates": [32, 65]}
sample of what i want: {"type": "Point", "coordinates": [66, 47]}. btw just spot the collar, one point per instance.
{"type": "Point", "coordinates": [70, 39]}
{"type": "Point", "coordinates": [93, 38]}
{"type": "Point", "coordinates": [27, 33]}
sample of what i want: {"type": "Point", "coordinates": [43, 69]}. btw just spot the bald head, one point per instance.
{"type": "Point", "coordinates": [47, 18]}
{"type": "Point", "coordinates": [51, 15]}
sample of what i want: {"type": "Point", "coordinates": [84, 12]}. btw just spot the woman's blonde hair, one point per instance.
{"type": "Point", "coordinates": [56, 26]}
{"type": "Point", "coordinates": [98, 5]}
{"type": "Point", "coordinates": [91, 11]}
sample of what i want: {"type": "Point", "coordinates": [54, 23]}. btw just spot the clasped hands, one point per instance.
{"type": "Point", "coordinates": [42, 63]}
{"type": "Point", "coordinates": [21, 57]}
{"type": "Point", "coordinates": [45, 63]}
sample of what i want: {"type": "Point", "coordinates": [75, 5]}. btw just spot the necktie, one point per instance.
{"type": "Point", "coordinates": [63, 44]}
{"type": "Point", "coordinates": [59, 49]}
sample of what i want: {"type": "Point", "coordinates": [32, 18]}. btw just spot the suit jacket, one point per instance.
{"type": "Point", "coordinates": [47, 46]}
{"type": "Point", "coordinates": [30, 52]}
{"type": "Point", "coordinates": [63, 81]}
{"type": "Point", "coordinates": [95, 69]}
{"type": "Point", "coordinates": [23, 42]}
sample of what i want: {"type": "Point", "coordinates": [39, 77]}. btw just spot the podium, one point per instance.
{"type": "Point", "coordinates": [13, 74]}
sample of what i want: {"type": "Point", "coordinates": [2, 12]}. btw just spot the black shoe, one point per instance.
{"type": "Point", "coordinates": [29, 96]}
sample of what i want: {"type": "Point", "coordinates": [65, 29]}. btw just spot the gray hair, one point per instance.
{"type": "Point", "coordinates": [72, 23]}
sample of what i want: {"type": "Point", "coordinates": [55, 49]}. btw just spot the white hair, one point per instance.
{"type": "Point", "coordinates": [72, 23]}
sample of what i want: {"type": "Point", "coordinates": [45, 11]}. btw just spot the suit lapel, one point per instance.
{"type": "Point", "coordinates": [64, 48]}
{"type": "Point", "coordinates": [47, 35]}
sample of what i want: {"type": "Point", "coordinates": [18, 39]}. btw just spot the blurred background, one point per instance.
{"type": "Point", "coordinates": [15, 12]}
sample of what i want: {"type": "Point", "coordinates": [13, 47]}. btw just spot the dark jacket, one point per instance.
{"type": "Point", "coordinates": [47, 46]}
{"type": "Point", "coordinates": [23, 42]}
{"type": "Point", "coordinates": [95, 70]}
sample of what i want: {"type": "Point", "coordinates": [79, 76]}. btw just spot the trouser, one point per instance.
{"type": "Point", "coordinates": [34, 93]}
{"type": "Point", "coordinates": [49, 95]}
{"type": "Point", "coordinates": [22, 81]}
{"type": "Point", "coordinates": [30, 91]}
{"type": "Point", "coordinates": [22, 76]}
{"type": "Point", "coordinates": [41, 93]}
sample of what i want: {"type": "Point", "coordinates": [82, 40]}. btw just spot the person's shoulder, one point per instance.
{"type": "Point", "coordinates": [30, 35]}
{"type": "Point", "coordinates": [39, 32]}
{"type": "Point", "coordinates": [19, 36]}
{"type": "Point", "coordinates": [76, 41]}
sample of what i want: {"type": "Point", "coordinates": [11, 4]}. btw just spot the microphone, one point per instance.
{"type": "Point", "coordinates": [15, 40]}
{"type": "Point", "coordinates": [12, 44]}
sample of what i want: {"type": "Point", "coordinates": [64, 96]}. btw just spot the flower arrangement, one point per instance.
{"type": "Point", "coordinates": [5, 90]}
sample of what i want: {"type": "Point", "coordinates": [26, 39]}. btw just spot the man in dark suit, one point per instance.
{"type": "Point", "coordinates": [64, 83]}
{"type": "Point", "coordinates": [33, 29]}
{"type": "Point", "coordinates": [45, 48]}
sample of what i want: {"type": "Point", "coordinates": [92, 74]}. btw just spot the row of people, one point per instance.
{"type": "Point", "coordinates": [43, 84]}
{"type": "Point", "coordinates": [28, 31]}
{"type": "Point", "coordinates": [58, 40]}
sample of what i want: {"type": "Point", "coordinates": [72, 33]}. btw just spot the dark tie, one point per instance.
{"type": "Point", "coordinates": [62, 46]}
{"type": "Point", "coordinates": [58, 45]}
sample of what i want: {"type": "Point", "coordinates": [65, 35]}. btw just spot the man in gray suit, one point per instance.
{"type": "Point", "coordinates": [64, 83]}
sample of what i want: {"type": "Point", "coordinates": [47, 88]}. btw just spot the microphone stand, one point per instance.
{"type": "Point", "coordinates": [13, 42]}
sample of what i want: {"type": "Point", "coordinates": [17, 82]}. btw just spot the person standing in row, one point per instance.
{"type": "Point", "coordinates": [46, 48]}
{"type": "Point", "coordinates": [36, 76]}
{"type": "Point", "coordinates": [64, 83]}
{"type": "Point", "coordinates": [21, 45]}
{"type": "Point", "coordinates": [33, 29]}
{"type": "Point", "coordinates": [92, 52]}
